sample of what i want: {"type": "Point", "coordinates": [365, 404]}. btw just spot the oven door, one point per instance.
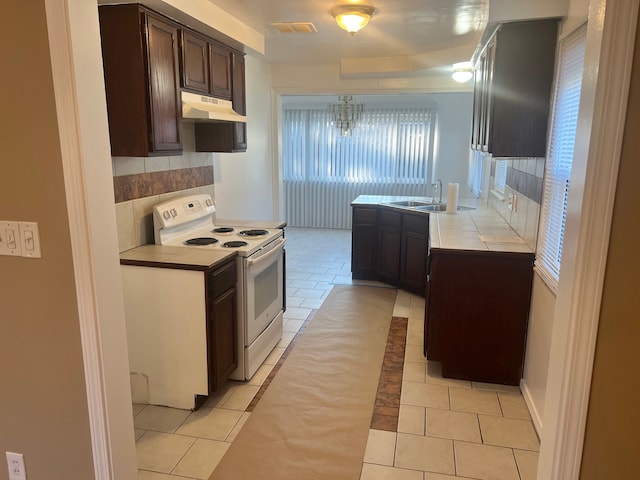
{"type": "Point", "coordinates": [264, 288]}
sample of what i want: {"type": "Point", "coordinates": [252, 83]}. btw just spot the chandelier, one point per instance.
{"type": "Point", "coordinates": [345, 115]}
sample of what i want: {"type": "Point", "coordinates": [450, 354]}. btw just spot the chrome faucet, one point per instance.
{"type": "Point", "coordinates": [437, 187]}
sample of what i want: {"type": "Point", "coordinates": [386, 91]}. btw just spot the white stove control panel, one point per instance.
{"type": "Point", "coordinates": [182, 210]}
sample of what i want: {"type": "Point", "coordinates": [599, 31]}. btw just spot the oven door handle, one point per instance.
{"type": "Point", "coordinates": [268, 255]}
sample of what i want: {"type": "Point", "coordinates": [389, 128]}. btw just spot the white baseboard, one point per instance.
{"type": "Point", "coordinates": [533, 411]}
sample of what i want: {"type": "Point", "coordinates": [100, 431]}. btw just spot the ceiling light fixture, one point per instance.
{"type": "Point", "coordinates": [353, 17]}
{"type": "Point", "coordinates": [345, 115]}
{"type": "Point", "coordinates": [462, 72]}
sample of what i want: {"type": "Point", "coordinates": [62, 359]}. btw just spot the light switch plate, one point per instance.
{"type": "Point", "coordinates": [30, 239]}
{"type": "Point", "coordinates": [10, 238]}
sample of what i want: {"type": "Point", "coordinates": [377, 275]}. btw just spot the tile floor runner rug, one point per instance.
{"type": "Point", "coordinates": [313, 420]}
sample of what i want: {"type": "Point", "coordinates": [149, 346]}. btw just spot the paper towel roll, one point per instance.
{"type": "Point", "coordinates": [452, 198]}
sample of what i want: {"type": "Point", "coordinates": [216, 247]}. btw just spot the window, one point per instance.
{"type": "Point", "coordinates": [389, 152]}
{"type": "Point", "coordinates": [564, 121]}
{"type": "Point", "coordinates": [501, 175]}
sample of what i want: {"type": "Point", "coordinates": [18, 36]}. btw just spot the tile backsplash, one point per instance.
{"type": "Point", "coordinates": [135, 217]}
{"type": "Point", "coordinates": [141, 182]}
{"type": "Point", "coordinates": [524, 181]}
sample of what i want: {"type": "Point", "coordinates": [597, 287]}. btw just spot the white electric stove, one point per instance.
{"type": "Point", "coordinates": [189, 222]}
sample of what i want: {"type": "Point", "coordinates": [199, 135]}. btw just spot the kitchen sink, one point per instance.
{"type": "Point", "coordinates": [424, 206]}
{"type": "Point", "coordinates": [440, 207]}
{"type": "Point", "coordinates": [409, 203]}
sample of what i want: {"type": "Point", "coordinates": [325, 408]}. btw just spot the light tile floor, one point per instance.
{"type": "Point", "coordinates": [447, 429]}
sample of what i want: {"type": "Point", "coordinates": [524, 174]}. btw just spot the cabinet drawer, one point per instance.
{"type": "Point", "coordinates": [391, 219]}
{"type": "Point", "coordinates": [364, 215]}
{"type": "Point", "coordinates": [416, 223]}
{"type": "Point", "coordinates": [222, 279]}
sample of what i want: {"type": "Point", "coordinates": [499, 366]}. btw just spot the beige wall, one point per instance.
{"type": "Point", "coordinates": [612, 438]}
{"type": "Point", "coordinates": [43, 406]}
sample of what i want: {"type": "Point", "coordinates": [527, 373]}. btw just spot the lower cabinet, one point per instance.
{"type": "Point", "coordinates": [413, 257]}
{"type": "Point", "coordinates": [364, 235]}
{"type": "Point", "coordinates": [391, 246]}
{"type": "Point", "coordinates": [222, 324]}
{"type": "Point", "coordinates": [477, 309]}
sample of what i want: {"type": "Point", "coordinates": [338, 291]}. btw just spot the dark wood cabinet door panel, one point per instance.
{"type": "Point", "coordinates": [222, 324]}
{"type": "Point", "coordinates": [413, 270]}
{"type": "Point", "coordinates": [163, 85]}
{"type": "Point", "coordinates": [220, 71]}
{"type": "Point", "coordinates": [512, 90]}
{"type": "Point", "coordinates": [478, 313]}
{"type": "Point", "coordinates": [389, 246]}
{"type": "Point", "coordinates": [226, 136]}
{"type": "Point", "coordinates": [364, 233]}
{"type": "Point", "coordinates": [141, 73]}
{"type": "Point", "coordinates": [194, 62]}
{"type": "Point", "coordinates": [223, 352]}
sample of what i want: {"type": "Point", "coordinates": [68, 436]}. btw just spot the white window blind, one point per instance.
{"type": "Point", "coordinates": [501, 175]}
{"type": "Point", "coordinates": [389, 152]}
{"type": "Point", "coordinates": [476, 172]}
{"type": "Point", "coordinates": [564, 120]}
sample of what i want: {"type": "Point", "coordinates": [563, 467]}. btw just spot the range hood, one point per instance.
{"type": "Point", "coordinates": [201, 108]}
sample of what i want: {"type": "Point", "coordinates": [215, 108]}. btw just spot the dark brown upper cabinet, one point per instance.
{"type": "Point", "coordinates": [194, 62]}
{"type": "Point", "coordinates": [227, 136]}
{"type": "Point", "coordinates": [141, 71]}
{"type": "Point", "coordinates": [220, 71]}
{"type": "Point", "coordinates": [205, 65]}
{"type": "Point", "coordinates": [512, 91]}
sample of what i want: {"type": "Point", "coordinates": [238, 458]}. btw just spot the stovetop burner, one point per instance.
{"type": "Point", "coordinates": [223, 230]}
{"type": "Point", "coordinates": [253, 233]}
{"type": "Point", "coordinates": [235, 244]}
{"type": "Point", "coordinates": [201, 241]}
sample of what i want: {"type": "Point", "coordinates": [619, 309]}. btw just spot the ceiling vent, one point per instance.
{"type": "Point", "coordinates": [295, 27]}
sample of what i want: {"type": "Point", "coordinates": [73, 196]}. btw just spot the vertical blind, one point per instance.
{"type": "Point", "coordinates": [562, 134]}
{"type": "Point", "coordinates": [389, 152]}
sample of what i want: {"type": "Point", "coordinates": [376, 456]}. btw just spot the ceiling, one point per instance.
{"type": "Point", "coordinates": [405, 38]}
{"type": "Point", "coordinates": [401, 28]}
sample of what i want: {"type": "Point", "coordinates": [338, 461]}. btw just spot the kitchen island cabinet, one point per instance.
{"type": "Point", "coordinates": [364, 252]}
{"type": "Point", "coordinates": [477, 298]}
{"type": "Point", "coordinates": [140, 59]}
{"type": "Point", "coordinates": [181, 317]}
{"type": "Point", "coordinates": [413, 252]}
{"type": "Point", "coordinates": [389, 244]}
{"type": "Point", "coordinates": [477, 313]}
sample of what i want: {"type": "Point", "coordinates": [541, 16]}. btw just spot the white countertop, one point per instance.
{"type": "Point", "coordinates": [479, 229]}
{"type": "Point", "coordinates": [156, 255]}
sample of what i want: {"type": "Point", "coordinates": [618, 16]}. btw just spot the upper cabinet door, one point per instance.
{"type": "Point", "coordinates": [514, 75]}
{"type": "Point", "coordinates": [195, 62]}
{"type": "Point", "coordinates": [220, 71]}
{"type": "Point", "coordinates": [239, 101]}
{"type": "Point", "coordinates": [164, 90]}
{"type": "Point", "coordinates": [140, 60]}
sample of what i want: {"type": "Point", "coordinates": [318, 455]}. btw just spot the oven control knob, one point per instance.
{"type": "Point", "coordinates": [166, 215]}
{"type": "Point", "coordinates": [174, 213]}
{"type": "Point", "coordinates": [209, 202]}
